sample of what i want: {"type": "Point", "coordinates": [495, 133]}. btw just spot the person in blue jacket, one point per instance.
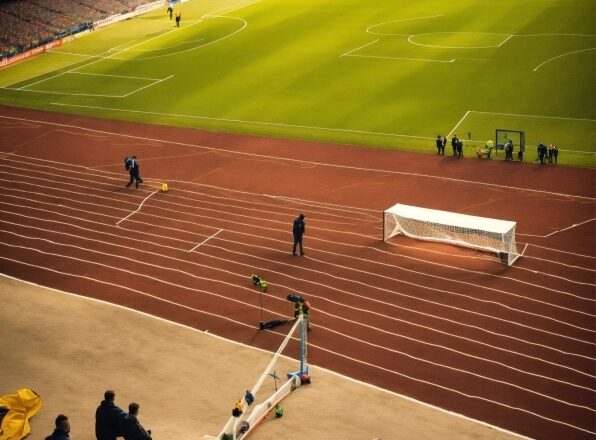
{"type": "Point", "coordinates": [107, 418]}
{"type": "Point", "coordinates": [298, 229]}
{"type": "Point", "coordinates": [132, 166]}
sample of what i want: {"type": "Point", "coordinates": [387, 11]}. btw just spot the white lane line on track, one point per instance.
{"type": "Point", "coordinates": [137, 210]}
{"type": "Point", "coordinates": [206, 240]}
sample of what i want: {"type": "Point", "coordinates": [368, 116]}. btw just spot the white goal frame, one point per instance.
{"type": "Point", "coordinates": [482, 233]}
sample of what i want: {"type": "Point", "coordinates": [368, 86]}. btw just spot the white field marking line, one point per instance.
{"type": "Point", "coordinates": [137, 210]}
{"type": "Point", "coordinates": [525, 341]}
{"type": "Point", "coordinates": [358, 48]}
{"type": "Point", "coordinates": [72, 54]}
{"type": "Point", "coordinates": [141, 275]}
{"type": "Point", "coordinates": [561, 56]}
{"type": "Point", "coordinates": [148, 85]}
{"type": "Point", "coordinates": [403, 58]}
{"type": "Point", "coordinates": [194, 192]}
{"type": "Point", "coordinates": [506, 40]}
{"type": "Point", "coordinates": [434, 46]}
{"type": "Point", "coordinates": [460, 393]}
{"type": "Point", "coordinates": [184, 205]}
{"type": "Point", "coordinates": [261, 350]}
{"type": "Point", "coordinates": [339, 317]}
{"type": "Point", "coordinates": [244, 26]}
{"type": "Point", "coordinates": [119, 76]}
{"type": "Point", "coordinates": [283, 159]}
{"type": "Point", "coordinates": [233, 8]}
{"type": "Point", "coordinates": [532, 116]}
{"type": "Point", "coordinates": [184, 43]}
{"type": "Point", "coordinates": [455, 267]}
{"type": "Point", "coordinates": [171, 210]}
{"type": "Point", "coordinates": [208, 118]}
{"type": "Point", "coordinates": [302, 202]}
{"type": "Point", "coordinates": [459, 370]}
{"type": "Point", "coordinates": [368, 30]}
{"type": "Point", "coordinates": [100, 58]}
{"type": "Point", "coordinates": [457, 125]}
{"type": "Point", "coordinates": [181, 182]}
{"type": "Point", "coordinates": [402, 246]}
{"type": "Point", "coordinates": [206, 240]}
{"type": "Point", "coordinates": [114, 244]}
{"type": "Point", "coordinates": [368, 286]}
{"type": "Point", "coordinates": [129, 273]}
{"type": "Point", "coordinates": [12, 182]}
{"type": "Point", "coordinates": [69, 94]}
{"type": "Point", "coordinates": [261, 211]}
{"type": "Point", "coordinates": [316, 346]}
{"type": "Point", "coordinates": [386, 277]}
{"type": "Point", "coordinates": [564, 252]}
{"type": "Point", "coordinates": [344, 267]}
{"type": "Point", "coordinates": [561, 230]}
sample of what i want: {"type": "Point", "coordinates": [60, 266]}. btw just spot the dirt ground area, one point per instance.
{"type": "Point", "coordinates": [70, 349]}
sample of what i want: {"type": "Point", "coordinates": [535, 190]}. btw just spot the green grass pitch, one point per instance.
{"type": "Point", "coordinates": [390, 74]}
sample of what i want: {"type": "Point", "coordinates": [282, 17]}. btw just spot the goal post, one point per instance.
{"type": "Point", "coordinates": [518, 138]}
{"type": "Point", "coordinates": [483, 233]}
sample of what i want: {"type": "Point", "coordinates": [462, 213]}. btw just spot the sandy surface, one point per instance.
{"type": "Point", "coordinates": [70, 350]}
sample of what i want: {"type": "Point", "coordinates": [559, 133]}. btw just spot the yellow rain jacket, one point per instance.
{"type": "Point", "coordinates": [21, 406]}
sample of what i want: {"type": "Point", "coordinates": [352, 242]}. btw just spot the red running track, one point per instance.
{"type": "Point", "coordinates": [510, 346]}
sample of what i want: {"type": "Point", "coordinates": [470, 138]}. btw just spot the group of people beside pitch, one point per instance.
{"type": "Point", "coordinates": [546, 154]}
{"type": "Point", "coordinates": [110, 422]}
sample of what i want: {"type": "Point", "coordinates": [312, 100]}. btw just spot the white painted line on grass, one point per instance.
{"type": "Point", "coordinates": [358, 48]}
{"type": "Point", "coordinates": [532, 116]}
{"type": "Point", "coordinates": [561, 56]}
{"type": "Point", "coordinates": [240, 121]}
{"type": "Point", "coordinates": [403, 58]}
{"type": "Point", "coordinates": [148, 85]}
{"type": "Point", "coordinates": [206, 240]}
{"type": "Point", "coordinates": [137, 210]}
{"type": "Point", "coordinates": [457, 125]}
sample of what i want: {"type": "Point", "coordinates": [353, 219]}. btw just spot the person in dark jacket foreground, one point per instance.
{"type": "Point", "coordinates": [131, 428]}
{"type": "Point", "coordinates": [107, 418]}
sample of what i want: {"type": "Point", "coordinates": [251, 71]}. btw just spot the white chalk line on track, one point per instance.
{"type": "Point", "coordinates": [256, 348]}
{"type": "Point", "coordinates": [206, 240]}
{"type": "Point", "coordinates": [402, 246]}
{"type": "Point", "coordinates": [281, 274]}
{"type": "Point", "coordinates": [138, 209]}
{"type": "Point", "coordinates": [364, 285]}
{"type": "Point", "coordinates": [283, 159]}
{"type": "Point", "coordinates": [191, 289]}
{"type": "Point", "coordinates": [413, 258]}
{"type": "Point", "coordinates": [327, 350]}
{"type": "Point", "coordinates": [335, 243]}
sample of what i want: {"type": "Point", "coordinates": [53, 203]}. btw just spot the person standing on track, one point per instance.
{"type": "Point", "coordinates": [298, 229]}
{"type": "Point", "coordinates": [178, 17]}
{"type": "Point", "coordinates": [131, 164]}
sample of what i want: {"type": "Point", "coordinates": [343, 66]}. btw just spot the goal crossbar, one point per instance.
{"type": "Point", "coordinates": [483, 233]}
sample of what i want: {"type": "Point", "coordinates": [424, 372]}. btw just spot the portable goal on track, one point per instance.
{"type": "Point", "coordinates": [486, 234]}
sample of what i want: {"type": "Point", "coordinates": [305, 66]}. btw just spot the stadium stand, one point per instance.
{"type": "Point", "coordinates": [26, 24]}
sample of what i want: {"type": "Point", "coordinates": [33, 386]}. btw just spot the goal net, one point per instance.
{"type": "Point", "coordinates": [481, 233]}
{"type": "Point", "coordinates": [518, 138]}
{"type": "Point", "coordinates": [253, 410]}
